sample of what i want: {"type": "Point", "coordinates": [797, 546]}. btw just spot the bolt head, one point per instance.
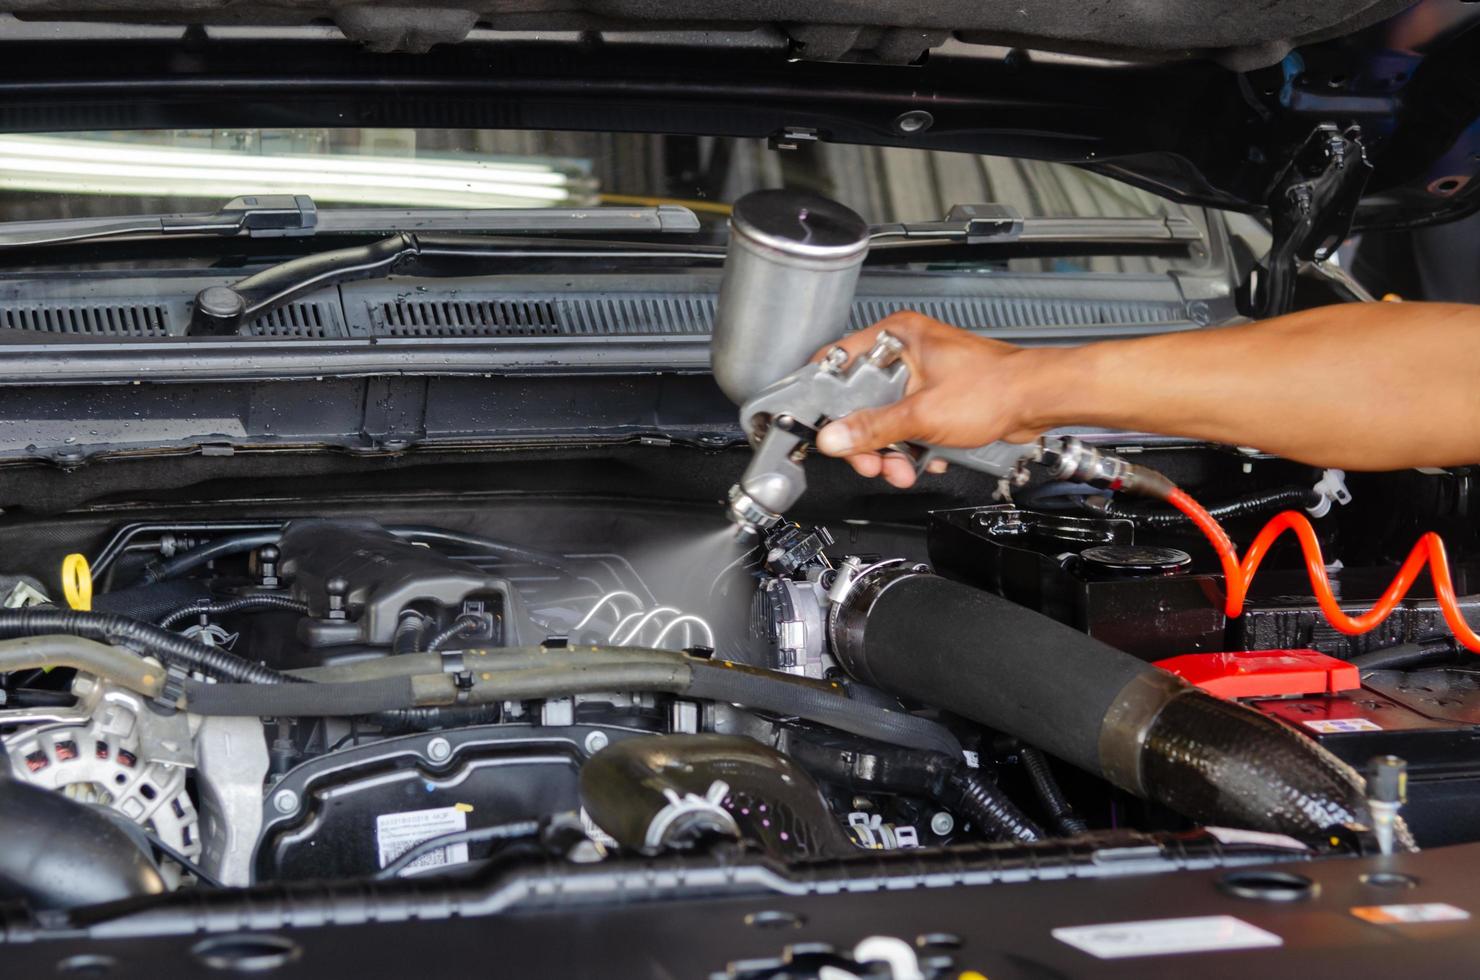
{"type": "Point", "coordinates": [942, 823]}
{"type": "Point", "coordinates": [285, 801]}
{"type": "Point", "coordinates": [596, 741]}
{"type": "Point", "coordinates": [439, 749]}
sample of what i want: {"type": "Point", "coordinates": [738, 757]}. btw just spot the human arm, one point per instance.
{"type": "Point", "coordinates": [1358, 386]}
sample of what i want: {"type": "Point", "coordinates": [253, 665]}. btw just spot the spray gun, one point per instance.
{"type": "Point", "coordinates": [789, 278]}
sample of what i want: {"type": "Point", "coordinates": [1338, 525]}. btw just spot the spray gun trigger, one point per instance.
{"type": "Point", "coordinates": [918, 455]}
{"type": "Point", "coordinates": [794, 426]}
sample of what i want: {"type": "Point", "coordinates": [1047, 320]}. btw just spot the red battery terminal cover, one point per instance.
{"type": "Point", "coordinates": [1264, 673]}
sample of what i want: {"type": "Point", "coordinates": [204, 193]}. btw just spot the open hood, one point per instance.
{"type": "Point", "coordinates": [1320, 113]}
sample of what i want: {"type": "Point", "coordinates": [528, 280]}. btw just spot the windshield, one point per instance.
{"type": "Point", "coordinates": [100, 173]}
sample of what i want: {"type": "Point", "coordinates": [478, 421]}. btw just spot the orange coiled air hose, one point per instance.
{"type": "Point", "coordinates": [1429, 549]}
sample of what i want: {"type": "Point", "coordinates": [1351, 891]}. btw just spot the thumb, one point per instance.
{"type": "Point", "coordinates": [870, 429]}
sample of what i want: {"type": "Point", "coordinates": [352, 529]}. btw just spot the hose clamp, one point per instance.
{"type": "Point", "coordinates": [172, 688]}
{"type": "Point", "coordinates": [1128, 721]}
{"type": "Point", "coordinates": [455, 664]}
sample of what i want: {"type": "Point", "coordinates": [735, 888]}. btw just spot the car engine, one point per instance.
{"type": "Point", "coordinates": [352, 697]}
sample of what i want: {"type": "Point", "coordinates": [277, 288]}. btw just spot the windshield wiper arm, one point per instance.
{"type": "Point", "coordinates": [222, 310]}
{"type": "Point", "coordinates": [990, 224]}
{"type": "Point", "coordinates": [290, 215]}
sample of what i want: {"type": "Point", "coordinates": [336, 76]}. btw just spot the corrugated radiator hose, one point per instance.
{"type": "Point", "coordinates": [1010, 668]}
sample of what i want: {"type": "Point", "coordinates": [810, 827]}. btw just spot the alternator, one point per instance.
{"type": "Point", "coordinates": [112, 750]}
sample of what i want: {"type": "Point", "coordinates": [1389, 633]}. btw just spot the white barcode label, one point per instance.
{"type": "Point", "coordinates": [1161, 937]}
{"type": "Point", "coordinates": [397, 833]}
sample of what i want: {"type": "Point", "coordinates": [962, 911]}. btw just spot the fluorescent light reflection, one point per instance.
{"type": "Point", "coordinates": [88, 166]}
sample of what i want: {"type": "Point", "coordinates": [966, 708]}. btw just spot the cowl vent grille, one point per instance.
{"type": "Point", "coordinates": [114, 320]}
{"type": "Point", "coordinates": [299, 320]}
{"type": "Point", "coordinates": [599, 316]}
{"type": "Point", "coordinates": [986, 312]}
{"type": "Point", "coordinates": [471, 318]}
{"type": "Point", "coordinates": [617, 315]}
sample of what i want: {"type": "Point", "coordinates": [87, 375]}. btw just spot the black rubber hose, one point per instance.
{"type": "Point", "coordinates": [60, 853]}
{"type": "Point", "coordinates": [975, 798]}
{"type": "Point", "coordinates": [1406, 656]}
{"type": "Point", "coordinates": [248, 603]}
{"type": "Point", "coordinates": [171, 648]}
{"type": "Point", "coordinates": [1217, 761]}
{"type": "Point", "coordinates": [332, 699]}
{"type": "Point", "coordinates": [773, 693]}
{"type": "Point", "coordinates": [984, 657]}
{"type": "Point", "coordinates": [1064, 819]}
{"type": "Point", "coordinates": [407, 638]}
{"type": "Point", "coordinates": [196, 557]}
{"type": "Point", "coordinates": [1285, 498]}
{"type": "Point", "coordinates": [123, 537]}
{"type": "Point", "coordinates": [1019, 672]}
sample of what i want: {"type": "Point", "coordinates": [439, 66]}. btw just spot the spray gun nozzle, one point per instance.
{"type": "Point", "coordinates": [749, 517]}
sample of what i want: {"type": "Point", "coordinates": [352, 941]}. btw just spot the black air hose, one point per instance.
{"type": "Point", "coordinates": [1285, 498]}
{"type": "Point", "coordinates": [1017, 671]}
{"type": "Point", "coordinates": [1407, 656]}
{"type": "Point", "coordinates": [170, 648]}
{"type": "Point", "coordinates": [769, 692]}
{"type": "Point", "coordinates": [159, 571]}
{"type": "Point", "coordinates": [1064, 819]}
{"type": "Point", "coordinates": [409, 633]}
{"type": "Point", "coordinates": [60, 853]}
{"type": "Point", "coordinates": [248, 603]}
{"type": "Point", "coordinates": [980, 801]}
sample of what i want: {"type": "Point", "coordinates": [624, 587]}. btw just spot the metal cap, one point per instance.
{"type": "Point", "coordinates": [1133, 560]}
{"type": "Point", "coordinates": [800, 224]}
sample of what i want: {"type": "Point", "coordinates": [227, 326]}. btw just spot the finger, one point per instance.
{"type": "Point", "coordinates": [937, 466]}
{"type": "Point", "coordinates": [867, 464]}
{"type": "Point", "coordinates": [899, 470]}
{"type": "Point", "coordinates": [871, 429]}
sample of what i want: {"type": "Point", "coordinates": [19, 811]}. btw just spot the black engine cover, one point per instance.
{"type": "Point", "coordinates": [383, 575]}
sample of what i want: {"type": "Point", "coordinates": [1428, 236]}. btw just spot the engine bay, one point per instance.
{"type": "Point", "coordinates": [442, 689]}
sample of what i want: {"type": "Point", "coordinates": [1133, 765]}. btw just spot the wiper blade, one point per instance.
{"type": "Point", "coordinates": [289, 215]}
{"type": "Point", "coordinates": [990, 224]}
{"type": "Point", "coordinates": [222, 310]}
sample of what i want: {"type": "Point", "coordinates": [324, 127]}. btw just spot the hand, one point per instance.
{"type": "Point", "coordinates": [962, 392]}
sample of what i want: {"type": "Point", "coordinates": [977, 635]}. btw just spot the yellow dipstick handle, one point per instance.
{"type": "Point", "coordinates": [77, 582]}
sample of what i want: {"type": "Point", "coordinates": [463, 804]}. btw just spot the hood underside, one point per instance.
{"type": "Point", "coordinates": [1341, 113]}
{"type": "Point", "coordinates": [1242, 33]}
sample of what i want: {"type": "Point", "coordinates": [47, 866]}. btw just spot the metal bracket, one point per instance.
{"type": "Point", "coordinates": [791, 137]}
{"type": "Point", "coordinates": [1311, 207]}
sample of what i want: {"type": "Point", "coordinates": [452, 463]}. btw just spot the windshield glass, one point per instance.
{"type": "Point", "coordinates": [94, 174]}
{"type": "Point", "coordinates": [104, 174]}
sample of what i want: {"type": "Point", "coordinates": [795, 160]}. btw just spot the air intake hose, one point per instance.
{"type": "Point", "coordinates": [60, 853]}
{"type": "Point", "coordinates": [985, 658]}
